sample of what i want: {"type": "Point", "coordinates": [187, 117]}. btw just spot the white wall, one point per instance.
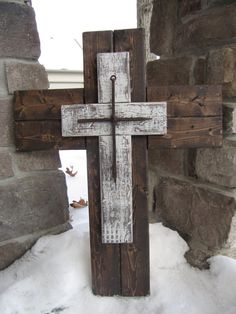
{"type": "Point", "coordinates": [65, 79]}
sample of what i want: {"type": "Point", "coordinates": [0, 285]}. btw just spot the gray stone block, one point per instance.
{"type": "Point", "coordinates": [15, 248]}
{"type": "Point", "coordinates": [230, 246]}
{"type": "Point", "coordinates": [39, 160]}
{"type": "Point", "coordinates": [12, 251]}
{"type": "Point", "coordinates": [187, 7]}
{"type": "Point", "coordinates": [24, 76]}
{"type": "Point", "coordinates": [210, 29]}
{"type": "Point", "coordinates": [214, 3]}
{"type": "Point", "coordinates": [163, 26]}
{"type": "Point", "coordinates": [176, 71]}
{"type": "Point", "coordinates": [32, 203]}
{"type": "Point", "coordinates": [168, 160]}
{"type": "Point", "coordinates": [18, 31]}
{"type": "Point", "coordinates": [229, 118]}
{"type": "Point", "coordinates": [217, 165]}
{"type": "Point", "coordinates": [144, 14]}
{"type": "Point", "coordinates": [186, 70]}
{"type": "Point", "coordinates": [17, 1]}
{"type": "Point", "coordinates": [6, 170]}
{"type": "Point", "coordinates": [220, 70]}
{"type": "Point", "coordinates": [6, 122]}
{"type": "Point", "coordinates": [230, 140]}
{"type": "Point", "coordinates": [3, 84]}
{"type": "Point", "coordinates": [202, 216]}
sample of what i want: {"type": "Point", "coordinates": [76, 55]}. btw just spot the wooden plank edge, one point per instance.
{"type": "Point", "coordinates": [105, 273]}
{"type": "Point", "coordinates": [189, 101]}
{"type": "Point", "coordinates": [40, 105]}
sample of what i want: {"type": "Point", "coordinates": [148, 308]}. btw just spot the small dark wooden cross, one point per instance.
{"type": "Point", "coordinates": [194, 119]}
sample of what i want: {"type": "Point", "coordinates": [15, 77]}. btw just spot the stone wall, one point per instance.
{"type": "Point", "coordinates": [30, 204]}
{"type": "Point", "coordinates": [144, 14]}
{"type": "Point", "coordinates": [193, 191]}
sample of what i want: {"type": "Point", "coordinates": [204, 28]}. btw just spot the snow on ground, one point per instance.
{"type": "Point", "coordinates": [54, 277]}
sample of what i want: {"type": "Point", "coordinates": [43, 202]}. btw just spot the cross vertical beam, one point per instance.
{"type": "Point", "coordinates": [135, 270]}
{"type": "Point", "coordinates": [105, 259]}
{"type": "Point", "coordinates": [118, 269]}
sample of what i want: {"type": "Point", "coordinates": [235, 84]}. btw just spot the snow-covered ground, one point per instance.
{"type": "Point", "coordinates": [54, 277]}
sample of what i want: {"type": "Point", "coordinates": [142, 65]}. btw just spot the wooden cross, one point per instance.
{"type": "Point", "coordinates": [114, 120]}
{"type": "Point", "coordinates": [194, 119]}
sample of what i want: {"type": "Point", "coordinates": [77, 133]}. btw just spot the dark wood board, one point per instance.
{"type": "Point", "coordinates": [44, 104]}
{"type": "Point", "coordinates": [44, 135]}
{"type": "Point", "coordinates": [190, 133]}
{"type": "Point", "coordinates": [105, 258]}
{"type": "Point", "coordinates": [189, 101]}
{"type": "Point", "coordinates": [95, 42]}
{"type": "Point", "coordinates": [135, 257]}
{"type": "Point", "coordinates": [38, 119]}
{"type": "Point", "coordinates": [194, 116]}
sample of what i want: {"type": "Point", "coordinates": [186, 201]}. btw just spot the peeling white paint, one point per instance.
{"type": "Point", "coordinates": [116, 196]}
{"type": "Point", "coordinates": [156, 112]}
{"type": "Point", "coordinates": [117, 64]}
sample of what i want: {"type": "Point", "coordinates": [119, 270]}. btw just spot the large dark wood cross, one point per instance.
{"type": "Point", "coordinates": [194, 119]}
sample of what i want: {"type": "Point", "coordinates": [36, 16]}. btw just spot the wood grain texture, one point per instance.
{"type": "Point", "coordinates": [43, 135]}
{"type": "Point", "coordinates": [116, 197]}
{"type": "Point", "coordinates": [105, 258]}
{"type": "Point", "coordinates": [115, 150]}
{"type": "Point", "coordinates": [189, 101]}
{"type": "Point", "coordinates": [44, 104]}
{"type": "Point", "coordinates": [38, 119]}
{"type": "Point", "coordinates": [131, 41]}
{"type": "Point", "coordinates": [155, 113]}
{"type": "Point", "coordinates": [194, 116]}
{"type": "Point", "coordinates": [96, 42]}
{"type": "Point", "coordinates": [190, 133]}
{"type": "Point", "coordinates": [116, 63]}
{"type": "Point", "coordinates": [135, 257]}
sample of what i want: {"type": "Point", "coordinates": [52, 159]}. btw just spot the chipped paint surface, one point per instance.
{"type": "Point", "coordinates": [73, 113]}
{"type": "Point", "coordinates": [116, 196]}
{"type": "Point", "coordinates": [117, 64]}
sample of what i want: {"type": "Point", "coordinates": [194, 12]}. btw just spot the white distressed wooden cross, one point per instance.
{"type": "Point", "coordinates": [130, 119]}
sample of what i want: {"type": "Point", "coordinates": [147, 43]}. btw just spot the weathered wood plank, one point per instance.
{"type": "Point", "coordinates": [43, 135]}
{"type": "Point", "coordinates": [183, 102]}
{"type": "Point", "coordinates": [38, 114]}
{"type": "Point", "coordinates": [194, 116]}
{"type": "Point", "coordinates": [189, 101]}
{"type": "Point", "coordinates": [190, 133]}
{"type": "Point", "coordinates": [97, 43]}
{"type": "Point", "coordinates": [44, 104]}
{"type": "Point", "coordinates": [113, 64]}
{"type": "Point", "coordinates": [155, 113]}
{"type": "Point", "coordinates": [135, 256]}
{"type": "Point", "coordinates": [116, 197]}
{"type": "Point", "coordinates": [105, 258]}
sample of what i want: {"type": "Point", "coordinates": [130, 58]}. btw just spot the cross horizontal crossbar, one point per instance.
{"type": "Point", "coordinates": [116, 120]}
{"type": "Point", "coordinates": [132, 119]}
